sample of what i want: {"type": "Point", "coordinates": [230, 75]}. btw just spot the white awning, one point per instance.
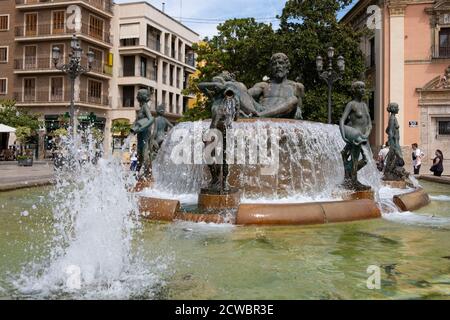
{"type": "Point", "coordinates": [129, 31]}
{"type": "Point", "coordinates": [6, 129]}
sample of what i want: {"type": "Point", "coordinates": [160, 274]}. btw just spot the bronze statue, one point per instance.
{"type": "Point", "coordinates": [279, 98]}
{"type": "Point", "coordinates": [394, 169]}
{"type": "Point", "coordinates": [226, 80]}
{"type": "Point", "coordinates": [225, 110]}
{"type": "Point", "coordinates": [161, 127]}
{"type": "Point", "coordinates": [142, 128]}
{"type": "Point", "coordinates": [355, 126]}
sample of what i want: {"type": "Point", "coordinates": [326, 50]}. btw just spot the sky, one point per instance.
{"type": "Point", "coordinates": [203, 16]}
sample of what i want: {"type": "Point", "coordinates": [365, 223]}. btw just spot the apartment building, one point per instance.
{"type": "Point", "coordinates": [135, 46]}
{"type": "Point", "coordinates": [407, 56]}
{"type": "Point", "coordinates": [7, 47]}
{"type": "Point", "coordinates": [153, 51]}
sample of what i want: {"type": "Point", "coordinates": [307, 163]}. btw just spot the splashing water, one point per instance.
{"type": "Point", "coordinates": [309, 166]}
{"type": "Point", "coordinates": [96, 225]}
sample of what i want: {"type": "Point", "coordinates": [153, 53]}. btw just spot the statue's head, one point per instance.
{"type": "Point", "coordinates": [392, 108]}
{"type": "Point", "coordinates": [280, 66]}
{"type": "Point", "coordinates": [143, 96]}
{"type": "Point", "coordinates": [161, 109]}
{"type": "Point", "coordinates": [228, 76]}
{"type": "Point", "coordinates": [359, 89]}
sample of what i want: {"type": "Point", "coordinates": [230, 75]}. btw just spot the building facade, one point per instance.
{"type": "Point", "coordinates": [135, 46]}
{"type": "Point", "coordinates": [407, 54]}
{"type": "Point", "coordinates": [154, 51]}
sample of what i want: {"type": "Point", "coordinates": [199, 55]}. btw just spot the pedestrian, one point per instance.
{"type": "Point", "coordinates": [133, 158]}
{"type": "Point", "coordinates": [417, 156]}
{"type": "Point", "coordinates": [438, 166]}
{"type": "Point", "coordinates": [382, 156]}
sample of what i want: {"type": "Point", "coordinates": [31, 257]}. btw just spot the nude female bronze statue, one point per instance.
{"type": "Point", "coordinates": [355, 126]}
{"type": "Point", "coordinates": [142, 128]}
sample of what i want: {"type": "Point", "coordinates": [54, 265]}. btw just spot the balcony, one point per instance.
{"type": "Point", "coordinates": [45, 64]}
{"type": "Point", "coordinates": [44, 30]}
{"type": "Point", "coordinates": [440, 52]}
{"type": "Point", "coordinates": [60, 97]}
{"type": "Point", "coordinates": [103, 5]}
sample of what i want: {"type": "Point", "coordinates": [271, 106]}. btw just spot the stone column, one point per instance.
{"type": "Point", "coordinates": [397, 62]}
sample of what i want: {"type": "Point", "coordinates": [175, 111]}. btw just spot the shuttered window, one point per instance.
{"type": "Point", "coordinates": [3, 86]}
{"type": "Point", "coordinates": [96, 27]}
{"type": "Point", "coordinates": [58, 21]}
{"type": "Point", "coordinates": [30, 24]}
{"type": "Point", "coordinates": [4, 22]}
{"type": "Point", "coordinates": [29, 89]}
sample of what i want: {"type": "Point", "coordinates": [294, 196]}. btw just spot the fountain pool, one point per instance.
{"type": "Point", "coordinates": [199, 261]}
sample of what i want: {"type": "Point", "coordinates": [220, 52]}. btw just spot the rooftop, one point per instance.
{"type": "Point", "coordinates": [159, 11]}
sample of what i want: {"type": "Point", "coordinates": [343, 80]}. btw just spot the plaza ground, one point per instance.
{"type": "Point", "coordinates": [14, 177]}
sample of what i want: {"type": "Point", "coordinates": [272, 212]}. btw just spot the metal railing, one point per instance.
{"type": "Point", "coordinates": [47, 29]}
{"type": "Point", "coordinates": [44, 96]}
{"type": "Point", "coordinates": [105, 5]}
{"type": "Point", "coordinates": [438, 52]}
{"type": "Point", "coordinates": [46, 63]}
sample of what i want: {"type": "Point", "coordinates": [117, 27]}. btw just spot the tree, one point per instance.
{"type": "Point", "coordinates": [243, 46]}
{"type": "Point", "coordinates": [307, 28]}
{"type": "Point", "coordinates": [121, 126]}
{"type": "Point", "coordinates": [10, 115]}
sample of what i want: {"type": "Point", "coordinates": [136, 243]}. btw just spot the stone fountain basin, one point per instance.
{"type": "Point", "coordinates": [310, 213]}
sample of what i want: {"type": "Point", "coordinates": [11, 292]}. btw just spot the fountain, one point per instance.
{"type": "Point", "coordinates": [253, 164]}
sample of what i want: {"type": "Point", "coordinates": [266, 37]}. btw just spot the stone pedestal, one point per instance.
{"type": "Point", "coordinates": [360, 195]}
{"type": "Point", "coordinates": [395, 184]}
{"type": "Point", "coordinates": [210, 201]}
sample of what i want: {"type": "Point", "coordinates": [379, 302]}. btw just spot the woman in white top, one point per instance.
{"type": "Point", "coordinates": [417, 156]}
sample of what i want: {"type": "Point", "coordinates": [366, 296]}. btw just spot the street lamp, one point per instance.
{"type": "Point", "coordinates": [73, 69]}
{"type": "Point", "coordinates": [329, 75]}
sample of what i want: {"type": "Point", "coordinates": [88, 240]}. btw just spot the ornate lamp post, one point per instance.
{"type": "Point", "coordinates": [330, 76]}
{"type": "Point", "coordinates": [73, 69]}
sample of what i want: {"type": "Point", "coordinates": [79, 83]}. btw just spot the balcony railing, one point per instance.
{"type": "Point", "coordinates": [44, 96]}
{"type": "Point", "coordinates": [440, 52]}
{"type": "Point", "coordinates": [104, 5]}
{"type": "Point", "coordinates": [46, 64]}
{"type": "Point", "coordinates": [47, 29]}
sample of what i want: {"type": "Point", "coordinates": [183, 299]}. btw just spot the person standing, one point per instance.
{"type": "Point", "coordinates": [417, 156]}
{"type": "Point", "coordinates": [133, 158]}
{"type": "Point", "coordinates": [438, 166]}
{"type": "Point", "coordinates": [382, 156]}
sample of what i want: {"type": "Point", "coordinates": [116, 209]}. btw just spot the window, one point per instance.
{"type": "Point", "coordinates": [444, 127]}
{"type": "Point", "coordinates": [30, 24]}
{"type": "Point", "coordinates": [56, 89]}
{"type": "Point", "coordinates": [58, 21]}
{"type": "Point", "coordinates": [372, 52]}
{"type": "Point", "coordinates": [3, 54]}
{"type": "Point", "coordinates": [29, 89]}
{"type": "Point", "coordinates": [97, 65]}
{"type": "Point", "coordinates": [128, 66]}
{"type": "Point", "coordinates": [143, 67]}
{"type": "Point", "coordinates": [94, 91]}
{"type": "Point", "coordinates": [3, 85]}
{"type": "Point", "coordinates": [128, 96]}
{"type": "Point", "coordinates": [30, 57]}
{"type": "Point", "coordinates": [96, 27]}
{"type": "Point", "coordinates": [4, 22]}
{"type": "Point", "coordinates": [444, 42]}
{"type": "Point", "coordinates": [130, 42]}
